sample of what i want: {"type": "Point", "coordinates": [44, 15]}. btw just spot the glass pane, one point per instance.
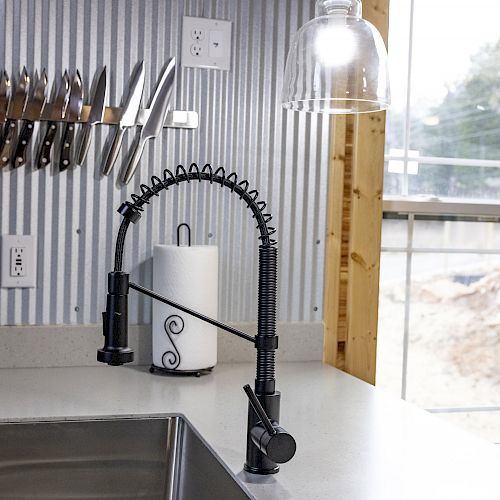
{"type": "Point", "coordinates": [393, 181]}
{"type": "Point", "coordinates": [391, 321]}
{"type": "Point", "coordinates": [394, 234]}
{"type": "Point", "coordinates": [483, 424]}
{"type": "Point", "coordinates": [454, 331]}
{"type": "Point", "coordinates": [455, 181]}
{"type": "Point", "coordinates": [455, 111]}
{"type": "Point", "coordinates": [398, 69]}
{"type": "Point", "coordinates": [456, 234]}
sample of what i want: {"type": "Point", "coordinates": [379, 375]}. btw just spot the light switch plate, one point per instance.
{"type": "Point", "coordinates": [206, 43]}
{"type": "Point", "coordinates": [18, 261]}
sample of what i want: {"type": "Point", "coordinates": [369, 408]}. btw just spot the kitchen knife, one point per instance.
{"type": "Point", "coordinates": [154, 123]}
{"type": "Point", "coordinates": [33, 111]}
{"type": "Point", "coordinates": [60, 105]}
{"type": "Point", "coordinates": [130, 110]}
{"type": "Point", "coordinates": [73, 114]}
{"type": "Point", "coordinates": [15, 110]}
{"type": "Point", "coordinates": [95, 116]}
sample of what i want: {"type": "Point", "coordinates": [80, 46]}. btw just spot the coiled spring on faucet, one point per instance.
{"type": "Point", "coordinates": [194, 173]}
{"type": "Point", "coordinates": [268, 255]}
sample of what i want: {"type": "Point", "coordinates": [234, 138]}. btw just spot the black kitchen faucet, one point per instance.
{"type": "Point", "coordinates": [268, 444]}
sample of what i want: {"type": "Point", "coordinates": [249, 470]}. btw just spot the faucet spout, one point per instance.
{"type": "Point", "coordinates": [116, 351]}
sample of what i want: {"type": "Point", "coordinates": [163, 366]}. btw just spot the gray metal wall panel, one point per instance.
{"type": "Point", "coordinates": [242, 127]}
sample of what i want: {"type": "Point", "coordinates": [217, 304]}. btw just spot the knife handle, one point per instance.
{"type": "Point", "coordinates": [135, 158]}
{"type": "Point", "coordinates": [46, 146]}
{"type": "Point", "coordinates": [10, 132]}
{"type": "Point", "coordinates": [68, 138]}
{"type": "Point", "coordinates": [22, 143]}
{"type": "Point", "coordinates": [84, 143]}
{"type": "Point", "coordinates": [114, 150]}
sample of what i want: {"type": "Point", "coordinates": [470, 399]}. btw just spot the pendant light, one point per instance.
{"type": "Point", "coordinates": [337, 63]}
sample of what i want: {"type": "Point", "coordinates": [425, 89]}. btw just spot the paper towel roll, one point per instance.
{"type": "Point", "coordinates": [187, 275]}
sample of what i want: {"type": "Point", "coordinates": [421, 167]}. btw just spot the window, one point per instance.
{"type": "Point", "coordinates": [439, 313]}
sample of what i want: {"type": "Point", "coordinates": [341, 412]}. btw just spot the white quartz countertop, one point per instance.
{"type": "Point", "coordinates": [353, 441]}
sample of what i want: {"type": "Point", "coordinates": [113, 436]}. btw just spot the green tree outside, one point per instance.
{"type": "Point", "coordinates": [467, 125]}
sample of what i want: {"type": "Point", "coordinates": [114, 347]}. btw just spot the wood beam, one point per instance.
{"type": "Point", "coordinates": [337, 240]}
{"type": "Point", "coordinates": [354, 222]}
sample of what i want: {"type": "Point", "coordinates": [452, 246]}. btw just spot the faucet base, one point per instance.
{"type": "Point", "coordinates": [115, 357]}
{"type": "Point", "coordinates": [256, 461]}
{"type": "Point", "coordinates": [260, 471]}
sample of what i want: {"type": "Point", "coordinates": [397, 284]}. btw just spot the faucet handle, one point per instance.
{"type": "Point", "coordinates": [271, 439]}
{"type": "Point", "coordinates": [259, 410]}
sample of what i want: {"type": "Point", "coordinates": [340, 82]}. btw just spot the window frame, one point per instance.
{"type": "Point", "coordinates": [412, 208]}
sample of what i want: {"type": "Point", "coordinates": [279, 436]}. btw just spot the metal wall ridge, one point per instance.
{"type": "Point", "coordinates": [284, 155]}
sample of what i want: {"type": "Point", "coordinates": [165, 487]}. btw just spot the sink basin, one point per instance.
{"type": "Point", "coordinates": [149, 458]}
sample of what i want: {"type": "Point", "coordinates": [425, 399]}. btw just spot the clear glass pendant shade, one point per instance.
{"type": "Point", "coordinates": [337, 63]}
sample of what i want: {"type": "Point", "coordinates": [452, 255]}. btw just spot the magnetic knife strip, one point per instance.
{"type": "Point", "coordinates": [174, 118]}
{"type": "Point", "coordinates": [26, 101]}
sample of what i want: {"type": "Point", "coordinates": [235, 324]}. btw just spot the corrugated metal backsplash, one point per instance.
{"type": "Point", "coordinates": [242, 127]}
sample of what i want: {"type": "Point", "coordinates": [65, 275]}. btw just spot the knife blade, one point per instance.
{"type": "Point", "coordinates": [95, 116]}
{"type": "Point", "coordinates": [15, 110]}
{"type": "Point", "coordinates": [33, 111]}
{"type": "Point", "coordinates": [5, 94]}
{"type": "Point", "coordinates": [130, 107]}
{"type": "Point", "coordinates": [154, 123]}
{"type": "Point", "coordinates": [73, 114]}
{"type": "Point", "coordinates": [60, 105]}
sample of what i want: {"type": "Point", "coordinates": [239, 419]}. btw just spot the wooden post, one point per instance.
{"type": "Point", "coordinates": [354, 222]}
{"type": "Point", "coordinates": [337, 241]}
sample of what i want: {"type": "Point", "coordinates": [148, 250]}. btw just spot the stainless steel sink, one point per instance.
{"type": "Point", "coordinates": [154, 458]}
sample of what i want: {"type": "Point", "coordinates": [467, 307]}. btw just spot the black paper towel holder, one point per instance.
{"type": "Point", "coordinates": [159, 370]}
{"type": "Point", "coordinates": [188, 228]}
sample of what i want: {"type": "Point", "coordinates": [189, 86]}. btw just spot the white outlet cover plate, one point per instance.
{"type": "Point", "coordinates": [206, 43]}
{"type": "Point", "coordinates": [7, 242]}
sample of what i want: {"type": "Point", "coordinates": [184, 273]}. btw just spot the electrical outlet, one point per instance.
{"type": "Point", "coordinates": [197, 34]}
{"type": "Point", "coordinates": [196, 50]}
{"type": "Point", "coordinates": [206, 43]}
{"type": "Point", "coordinates": [18, 261]}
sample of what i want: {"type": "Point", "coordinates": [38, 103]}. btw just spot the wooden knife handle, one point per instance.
{"type": "Point", "coordinates": [46, 146]}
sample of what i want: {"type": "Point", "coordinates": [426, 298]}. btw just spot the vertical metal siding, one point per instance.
{"type": "Point", "coordinates": [242, 127]}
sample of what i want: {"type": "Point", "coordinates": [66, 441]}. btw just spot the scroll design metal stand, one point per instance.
{"type": "Point", "coordinates": [267, 443]}
{"type": "Point", "coordinates": [174, 325]}
{"type": "Point", "coordinates": [172, 359]}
